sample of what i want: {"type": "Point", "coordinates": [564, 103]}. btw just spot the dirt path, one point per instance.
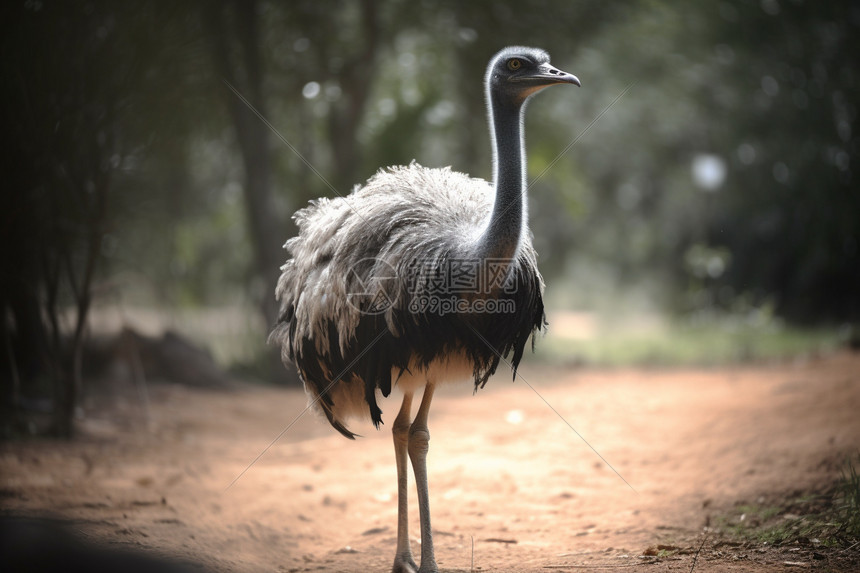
{"type": "Point", "coordinates": [505, 472]}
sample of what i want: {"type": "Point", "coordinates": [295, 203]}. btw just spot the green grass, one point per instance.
{"type": "Point", "coordinates": [679, 344]}
{"type": "Point", "coordinates": [847, 500]}
{"type": "Point", "coordinates": [829, 519]}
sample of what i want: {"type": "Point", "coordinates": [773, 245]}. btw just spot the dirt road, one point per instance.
{"type": "Point", "coordinates": [513, 486]}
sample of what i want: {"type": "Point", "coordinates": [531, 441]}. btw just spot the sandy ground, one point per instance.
{"type": "Point", "coordinates": [513, 487]}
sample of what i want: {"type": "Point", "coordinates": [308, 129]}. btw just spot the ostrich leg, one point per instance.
{"type": "Point", "coordinates": [403, 561]}
{"type": "Point", "coordinates": [419, 445]}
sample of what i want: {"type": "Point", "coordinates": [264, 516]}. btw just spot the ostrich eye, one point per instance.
{"type": "Point", "coordinates": [514, 64]}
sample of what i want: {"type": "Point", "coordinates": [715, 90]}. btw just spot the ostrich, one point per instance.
{"type": "Point", "coordinates": [419, 277]}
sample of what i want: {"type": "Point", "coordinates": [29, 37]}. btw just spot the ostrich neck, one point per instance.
{"type": "Point", "coordinates": [501, 238]}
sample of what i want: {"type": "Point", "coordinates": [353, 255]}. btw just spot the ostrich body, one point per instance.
{"type": "Point", "coordinates": [419, 277]}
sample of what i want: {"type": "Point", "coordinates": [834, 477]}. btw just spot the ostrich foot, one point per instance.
{"type": "Point", "coordinates": [404, 564]}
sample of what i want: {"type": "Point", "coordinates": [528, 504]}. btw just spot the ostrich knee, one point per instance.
{"type": "Point", "coordinates": [419, 442]}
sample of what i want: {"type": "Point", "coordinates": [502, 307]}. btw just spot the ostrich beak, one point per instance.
{"type": "Point", "coordinates": [550, 75]}
{"type": "Point", "coordinates": [545, 76]}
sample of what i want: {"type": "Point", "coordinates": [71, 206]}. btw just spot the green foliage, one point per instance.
{"type": "Point", "coordinates": [788, 214]}
{"type": "Point", "coordinates": [737, 138]}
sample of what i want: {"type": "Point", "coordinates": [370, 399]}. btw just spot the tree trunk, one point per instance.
{"type": "Point", "coordinates": [252, 137]}
{"type": "Point", "coordinates": [356, 80]}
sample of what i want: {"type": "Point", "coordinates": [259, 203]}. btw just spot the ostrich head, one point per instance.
{"type": "Point", "coordinates": [517, 72]}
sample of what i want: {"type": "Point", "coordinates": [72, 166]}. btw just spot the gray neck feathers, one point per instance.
{"type": "Point", "coordinates": [501, 238]}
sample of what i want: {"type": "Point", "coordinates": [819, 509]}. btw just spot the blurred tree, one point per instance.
{"type": "Point", "coordinates": [237, 58]}
{"type": "Point", "coordinates": [790, 212]}
{"type": "Point", "coordinates": [724, 176]}
{"type": "Point", "coordinates": [64, 142]}
{"type": "Point", "coordinates": [77, 78]}
{"type": "Point", "coordinates": [327, 54]}
{"type": "Point", "coordinates": [726, 173]}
